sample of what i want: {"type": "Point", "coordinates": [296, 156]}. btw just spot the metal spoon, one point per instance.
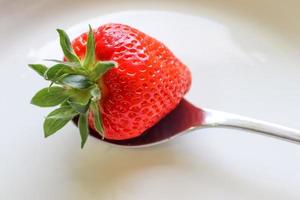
{"type": "Point", "coordinates": [187, 117]}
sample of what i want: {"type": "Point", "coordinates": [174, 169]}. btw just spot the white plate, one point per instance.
{"type": "Point", "coordinates": [244, 57]}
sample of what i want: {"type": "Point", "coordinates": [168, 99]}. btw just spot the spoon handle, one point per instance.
{"type": "Point", "coordinates": [213, 118]}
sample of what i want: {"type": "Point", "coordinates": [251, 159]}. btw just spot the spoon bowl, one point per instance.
{"type": "Point", "coordinates": [186, 118]}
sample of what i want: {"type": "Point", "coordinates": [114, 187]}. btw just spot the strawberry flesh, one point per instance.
{"type": "Point", "coordinates": [148, 83]}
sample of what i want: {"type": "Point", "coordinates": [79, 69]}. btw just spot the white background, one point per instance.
{"type": "Point", "coordinates": [244, 57]}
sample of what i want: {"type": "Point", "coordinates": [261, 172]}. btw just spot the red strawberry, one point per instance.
{"type": "Point", "coordinates": [147, 83]}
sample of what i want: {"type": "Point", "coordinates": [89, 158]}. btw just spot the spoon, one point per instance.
{"type": "Point", "coordinates": [186, 118]}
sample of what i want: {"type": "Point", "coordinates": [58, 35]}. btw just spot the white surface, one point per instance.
{"type": "Point", "coordinates": [244, 57]}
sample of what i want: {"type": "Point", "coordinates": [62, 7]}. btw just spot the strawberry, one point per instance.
{"type": "Point", "coordinates": [119, 81]}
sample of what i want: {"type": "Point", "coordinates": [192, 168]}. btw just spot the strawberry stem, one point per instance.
{"type": "Point", "coordinates": [75, 87]}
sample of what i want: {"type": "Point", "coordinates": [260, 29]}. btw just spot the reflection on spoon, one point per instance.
{"type": "Point", "coordinates": [186, 117]}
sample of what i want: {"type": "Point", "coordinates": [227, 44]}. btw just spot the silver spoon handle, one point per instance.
{"type": "Point", "coordinates": [213, 118]}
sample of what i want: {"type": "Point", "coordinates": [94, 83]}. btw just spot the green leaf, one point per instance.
{"type": "Point", "coordinates": [97, 118]}
{"type": "Point", "coordinates": [83, 128]}
{"type": "Point", "coordinates": [89, 59]}
{"type": "Point", "coordinates": [65, 103]}
{"type": "Point", "coordinates": [66, 46]}
{"type": "Point", "coordinates": [101, 68]}
{"type": "Point", "coordinates": [57, 80]}
{"type": "Point", "coordinates": [81, 96]}
{"type": "Point", "coordinates": [48, 97]}
{"type": "Point", "coordinates": [70, 64]}
{"type": "Point", "coordinates": [58, 119]}
{"type": "Point", "coordinates": [75, 66]}
{"type": "Point", "coordinates": [77, 81]}
{"type": "Point", "coordinates": [96, 94]}
{"type": "Point", "coordinates": [56, 71]}
{"type": "Point", "coordinates": [79, 106]}
{"type": "Point", "coordinates": [39, 68]}
{"type": "Point", "coordinates": [79, 99]}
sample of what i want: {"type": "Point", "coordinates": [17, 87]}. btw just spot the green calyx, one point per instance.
{"type": "Point", "coordinates": [74, 88]}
